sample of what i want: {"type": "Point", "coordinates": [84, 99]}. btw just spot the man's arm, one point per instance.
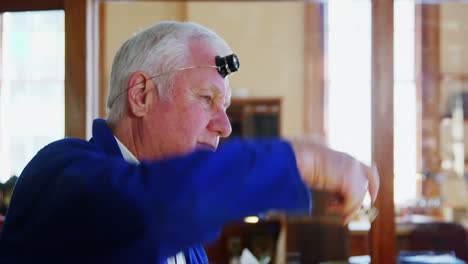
{"type": "Point", "coordinates": [176, 202]}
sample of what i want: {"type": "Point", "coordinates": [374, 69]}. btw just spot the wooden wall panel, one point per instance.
{"type": "Point", "coordinates": [383, 239]}
{"type": "Point", "coordinates": [428, 85]}
{"type": "Point", "coordinates": [314, 52]}
{"type": "Point", "coordinates": [75, 68]}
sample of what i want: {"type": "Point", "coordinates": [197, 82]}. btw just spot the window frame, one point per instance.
{"type": "Point", "coordinates": [78, 62]}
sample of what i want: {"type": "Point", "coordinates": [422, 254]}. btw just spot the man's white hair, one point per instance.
{"type": "Point", "coordinates": [161, 48]}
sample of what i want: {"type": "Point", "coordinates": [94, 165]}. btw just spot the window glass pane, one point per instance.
{"type": "Point", "coordinates": [32, 88]}
{"type": "Point", "coordinates": [362, 16]}
{"type": "Point", "coordinates": [405, 142]}
{"type": "Point", "coordinates": [348, 53]}
{"type": "Point", "coordinates": [350, 118]}
{"type": "Point", "coordinates": [404, 60]}
{"type": "Point", "coordinates": [404, 15]}
{"type": "Point", "coordinates": [349, 86]}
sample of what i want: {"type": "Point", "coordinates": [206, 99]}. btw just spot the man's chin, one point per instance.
{"type": "Point", "coordinates": [205, 147]}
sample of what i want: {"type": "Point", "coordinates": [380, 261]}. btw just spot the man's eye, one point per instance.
{"type": "Point", "coordinates": [207, 98]}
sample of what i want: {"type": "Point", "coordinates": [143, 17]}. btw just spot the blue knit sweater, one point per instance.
{"type": "Point", "coordinates": [80, 202]}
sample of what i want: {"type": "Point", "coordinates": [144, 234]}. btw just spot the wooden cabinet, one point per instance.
{"type": "Point", "coordinates": [286, 239]}
{"type": "Point", "coordinates": [255, 117]}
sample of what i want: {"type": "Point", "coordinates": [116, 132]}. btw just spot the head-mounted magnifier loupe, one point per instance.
{"type": "Point", "coordinates": [227, 65]}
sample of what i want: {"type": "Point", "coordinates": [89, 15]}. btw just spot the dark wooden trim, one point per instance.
{"type": "Point", "coordinates": [75, 68]}
{"type": "Point", "coordinates": [104, 77]}
{"type": "Point", "coordinates": [428, 84]}
{"type": "Point", "coordinates": [30, 5]}
{"type": "Point", "coordinates": [383, 239]}
{"type": "Point", "coordinates": [314, 51]}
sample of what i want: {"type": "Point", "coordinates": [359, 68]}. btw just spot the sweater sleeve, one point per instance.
{"type": "Point", "coordinates": [174, 203]}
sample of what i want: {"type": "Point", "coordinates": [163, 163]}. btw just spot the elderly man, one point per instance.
{"type": "Point", "coordinates": [149, 186]}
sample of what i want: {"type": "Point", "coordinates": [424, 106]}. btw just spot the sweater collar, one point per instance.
{"type": "Point", "coordinates": [104, 138]}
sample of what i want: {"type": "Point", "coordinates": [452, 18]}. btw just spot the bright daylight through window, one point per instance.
{"type": "Point", "coordinates": [31, 87]}
{"type": "Point", "coordinates": [348, 53]}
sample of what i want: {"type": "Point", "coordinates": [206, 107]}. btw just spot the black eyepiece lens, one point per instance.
{"type": "Point", "coordinates": [227, 65]}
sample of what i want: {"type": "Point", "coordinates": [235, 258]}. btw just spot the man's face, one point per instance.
{"type": "Point", "coordinates": [195, 116]}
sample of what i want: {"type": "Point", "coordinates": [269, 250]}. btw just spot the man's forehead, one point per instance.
{"type": "Point", "coordinates": [204, 53]}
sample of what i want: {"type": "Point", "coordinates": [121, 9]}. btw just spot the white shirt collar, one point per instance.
{"type": "Point", "coordinates": [128, 156]}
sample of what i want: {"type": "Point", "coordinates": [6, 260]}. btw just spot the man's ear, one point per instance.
{"type": "Point", "coordinates": [140, 93]}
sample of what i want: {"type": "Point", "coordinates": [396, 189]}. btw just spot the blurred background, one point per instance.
{"type": "Point", "coordinates": [386, 81]}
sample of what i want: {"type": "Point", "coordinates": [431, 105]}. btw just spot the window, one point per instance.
{"type": "Point", "coordinates": [404, 101]}
{"type": "Point", "coordinates": [348, 68]}
{"type": "Point", "coordinates": [31, 86]}
{"type": "Point", "coordinates": [348, 86]}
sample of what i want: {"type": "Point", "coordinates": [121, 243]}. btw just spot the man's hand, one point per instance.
{"type": "Point", "coordinates": [325, 169]}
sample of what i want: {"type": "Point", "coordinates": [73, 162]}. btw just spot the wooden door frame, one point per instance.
{"type": "Point", "coordinates": [383, 234]}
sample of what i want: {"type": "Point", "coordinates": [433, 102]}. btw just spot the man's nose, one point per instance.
{"type": "Point", "coordinates": [220, 124]}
